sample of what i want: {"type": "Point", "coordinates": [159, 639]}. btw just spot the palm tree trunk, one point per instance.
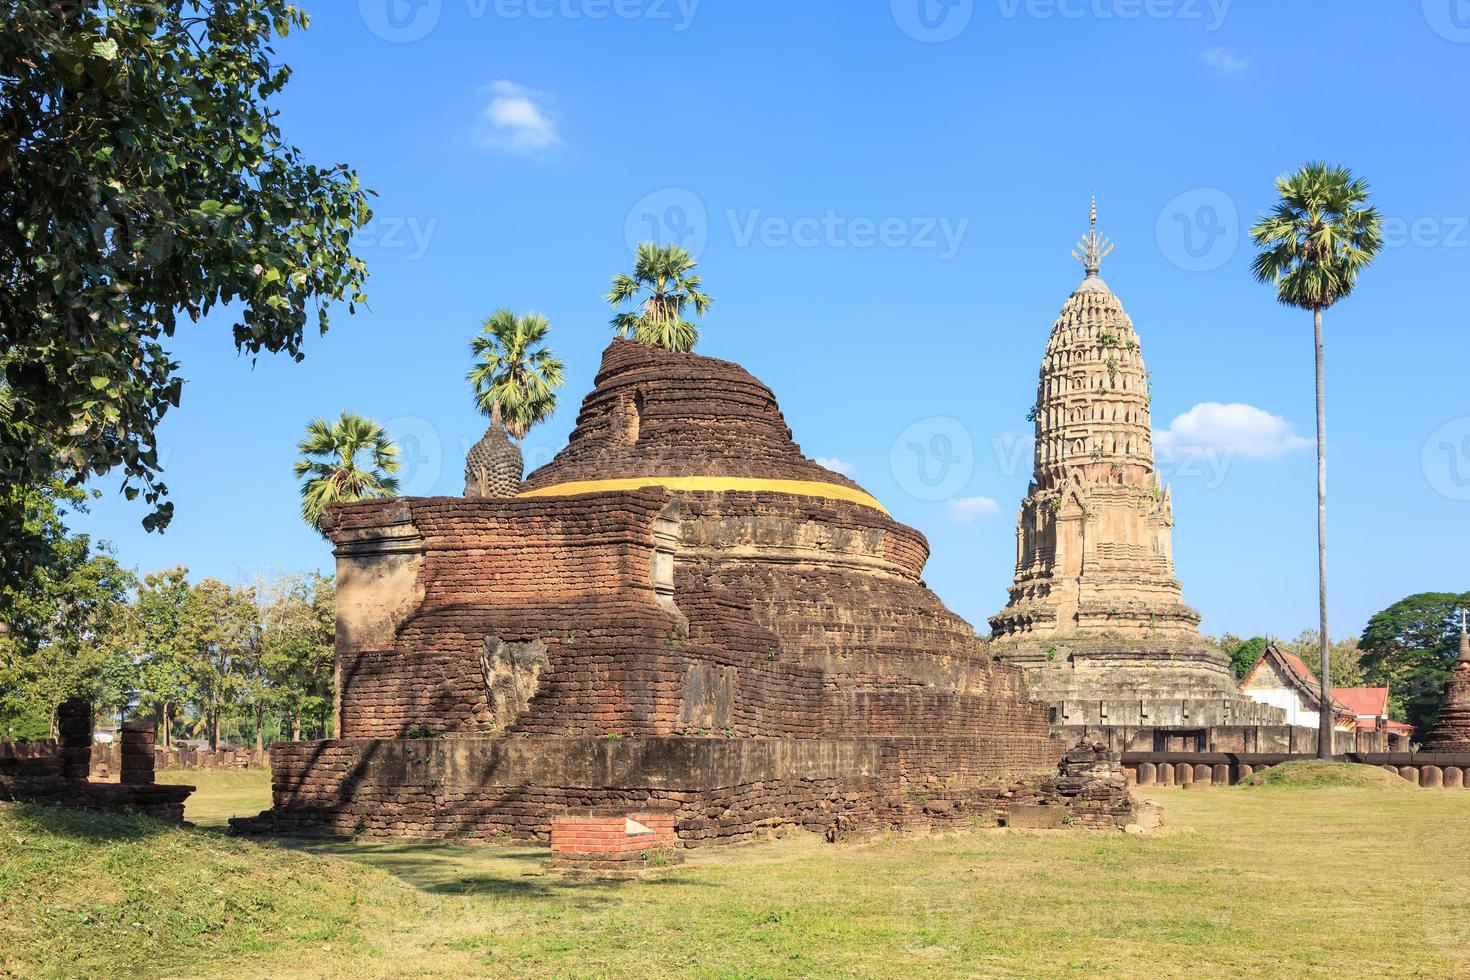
{"type": "Point", "coordinates": [1325, 721]}
{"type": "Point", "coordinates": [260, 729]}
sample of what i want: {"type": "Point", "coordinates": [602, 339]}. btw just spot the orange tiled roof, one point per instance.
{"type": "Point", "coordinates": [1363, 700]}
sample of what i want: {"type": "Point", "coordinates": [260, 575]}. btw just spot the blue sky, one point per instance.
{"type": "Point", "coordinates": [883, 197]}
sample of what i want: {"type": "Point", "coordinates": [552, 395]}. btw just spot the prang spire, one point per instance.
{"type": "Point", "coordinates": [1464, 640]}
{"type": "Point", "coordinates": [1094, 247]}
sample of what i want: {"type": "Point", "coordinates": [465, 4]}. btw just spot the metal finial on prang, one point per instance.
{"type": "Point", "coordinates": [1094, 247]}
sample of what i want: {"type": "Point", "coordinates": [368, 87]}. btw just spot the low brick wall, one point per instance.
{"type": "Point", "coordinates": [59, 777]}
{"type": "Point", "coordinates": [106, 757]}
{"type": "Point", "coordinates": [1449, 770]}
{"type": "Point", "coordinates": [617, 842]}
{"type": "Point", "coordinates": [718, 790]}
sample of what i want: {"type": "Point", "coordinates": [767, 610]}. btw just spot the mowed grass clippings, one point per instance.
{"type": "Point", "coordinates": [88, 894]}
{"type": "Point", "coordinates": [1241, 882]}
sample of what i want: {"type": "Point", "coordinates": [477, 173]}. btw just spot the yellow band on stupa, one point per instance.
{"type": "Point", "coordinates": [715, 484]}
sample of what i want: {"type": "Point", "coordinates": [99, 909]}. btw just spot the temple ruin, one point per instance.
{"type": "Point", "coordinates": [1451, 731]}
{"type": "Point", "coordinates": [679, 613]}
{"type": "Point", "coordinates": [1096, 615]}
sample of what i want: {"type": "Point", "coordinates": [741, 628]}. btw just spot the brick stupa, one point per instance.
{"type": "Point", "coordinates": [1451, 732]}
{"type": "Point", "coordinates": [680, 610]}
{"type": "Point", "coordinates": [1096, 614]}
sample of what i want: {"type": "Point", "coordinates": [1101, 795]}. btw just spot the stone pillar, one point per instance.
{"type": "Point", "coordinates": [74, 728]}
{"type": "Point", "coordinates": [1203, 775]}
{"type": "Point", "coordinates": [1431, 777]}
{"type": "Point", "coordinates": [1184, 774]}
{"type": "Point", "coordinates": [136, 767]}
{"type": "Point", "coordinates": [1146, 772]}
{"type": "Point", "coordinates": [1454, 777]}
{"type": "Point", "coordinates": [1410, 773]}
{"type": "Point", "coordinates": [1243, 770]}
{"type": "Point", "coordinates": [1222, 775]}
{"type": "Point", "coordinates": [1166, 774]}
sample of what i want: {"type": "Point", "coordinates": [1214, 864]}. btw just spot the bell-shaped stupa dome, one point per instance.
{"type": "Point", "coordinates": [679, 420]}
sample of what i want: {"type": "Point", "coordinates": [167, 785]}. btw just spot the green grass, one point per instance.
{"type": "Point", "coordinates": [1300, 882]}
{"type": "Point", "coordinates": [222, 794]}
{"type": "Point", "coordinates": [1312, 774]}
{"type": "Point", "coordinates": [84, 894]}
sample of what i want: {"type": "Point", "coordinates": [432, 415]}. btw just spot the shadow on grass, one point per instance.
{"type": "Point", "coordinates": [82, 824]}
{"type": "Point", "coordinates": [467, 870]}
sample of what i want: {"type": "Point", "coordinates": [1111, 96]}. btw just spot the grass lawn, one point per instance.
{"type": "Point", "coordinates": [1277, 880]}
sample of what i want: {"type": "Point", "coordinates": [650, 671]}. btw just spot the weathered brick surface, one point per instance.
{"type": "Point", "coordinates": [681, 623]}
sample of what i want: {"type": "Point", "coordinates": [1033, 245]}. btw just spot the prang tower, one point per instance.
{"type": "Point", "coordinates": [1095, 612]}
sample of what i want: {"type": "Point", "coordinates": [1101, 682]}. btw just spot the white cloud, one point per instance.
{"type": "Point", "coordinates": [836, 465]}
{"type": "Point", "coordinates": [1235, 428]}
{"type": "Point", "coordinates": [516, 122]}
{"type": "Point", "coordinates": [1225, 61]}
{"type": "Point", "coordinates": [968, 510]}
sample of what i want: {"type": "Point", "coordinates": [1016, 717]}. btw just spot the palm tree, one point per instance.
{"type": "Point", "coordinates": [515, 377]}
{"type": "Point", "coordinates": [349, 459]}
{"type": "Point", "coordinates": [1321, 235]}
{"type": "Point", "coordinates": [666, 274]}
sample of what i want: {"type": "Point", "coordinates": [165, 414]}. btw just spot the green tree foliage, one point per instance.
{"type": "Point", "coordinates": [1344, 658]}
{"type": "Point", "coordinates": [297, 648]}
{"type": "Point", "coordinates": [58, 626]}
{"type": "Point", "coordinates": [223, 630]}
{"type": "Point", "coordinates": [515, 376]}
{"type": "Point", "coordinates": [1243, 653]}
{"type": "Point", "coordinates": [1410, 646]}
{"type": "Point", "coordinates": [349, 459]}
{"type": "Point", "coordinates": [663, 285]}
{"type": "Point", "coordinates": [144, 178]}
{"type": "Point", "coordinates": [161, 645]}
{"type": "Point", "coordinates": [1315, 243]}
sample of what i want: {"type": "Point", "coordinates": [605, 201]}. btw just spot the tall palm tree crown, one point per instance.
{"type": "Point", "coordinates": [664, 276]}
{"type": "Point", "coordinates": [349, 459]}
{"type": "Point", "coordinates": [515, 376]}
{"type": "Point", "coordinates": [1318, 238]}
{"type": "Point", "coordinates": [1314, 244]}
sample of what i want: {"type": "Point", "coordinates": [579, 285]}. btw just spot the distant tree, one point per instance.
{"type": "Point", "coordinates": [1314, 244]}
{"type": "Point", "coordinates": [515, 376]}
{"type": "Point", "coordinates": [1245, 653]}
{"type": "Point", "coordinates": [298, 649]}
{"type": "Point", "coordinates": [160, 643]}
{"type": "Point", "coordinates": [662, 286]}
{"type": "Point", "coordinates": [1410, 646]}
{"type": "Point", "coordinates": [223, 634]}
{"type": "Point", "coordinates": [57, 625]}
{"type": "Point", "coordinates": [349, 459]}
{"type": "Point", "coordinates": [1344, 656]}
{"type": "Point", "coordinates": [144, 179]}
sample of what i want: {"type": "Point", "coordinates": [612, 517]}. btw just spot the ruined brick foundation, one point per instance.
{"type": "Point", "coordinates": [680, 609]}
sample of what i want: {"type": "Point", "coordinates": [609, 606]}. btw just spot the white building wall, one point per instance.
{"type": "Point", "coordinates": [1284, 697]}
